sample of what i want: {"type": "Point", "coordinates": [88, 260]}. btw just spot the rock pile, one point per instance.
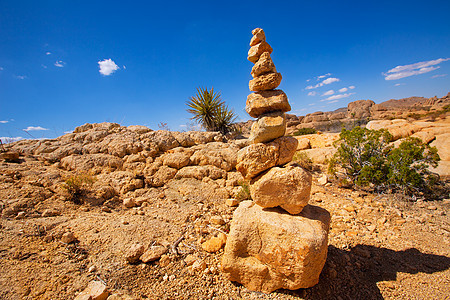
{"type": "Point", "coordinates": [271, 247]}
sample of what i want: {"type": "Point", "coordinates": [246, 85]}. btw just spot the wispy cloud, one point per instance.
{"type": "Point", "coordinates": [44, 66]}
{"type": "Point", "coordinates": [345, 89]}
{"type": "Point", "coordinates": [48, 53]}
{"type": "Point", "coordinates": [323, 76]}
{"type": "Point", "coordinates": [59, 64]}
{"type": "Point", "coordinates": [328, 93]}
{"type": "Point", "coordinates": [21, 77]}
{"type": "Point", "coordinates": [1, 69]}
{"type": "Point", "coordinates": [439, 75]}
{"type": "Point", "coordinates": [399, 84]}
{"type": "Point", "coordinates": [312, 93]}
{"type": "Point", "coordinates": [107, 67]}
{"type": "Point", "coordinates": [325, 82]}
{"type": "Point", "coordinates": [413, 69]}
{"type": "Point", "coordinates": [34, 128]}
{"type": "Point", "coordinates": [3, 122]}
{"type": "Point", "coordinates": [339, 96]}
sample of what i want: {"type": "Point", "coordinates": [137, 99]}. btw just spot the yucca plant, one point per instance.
{"type": "Point", "coordinates": [210, 111]}
{"type": "Point", "coordinates": [224, 119]}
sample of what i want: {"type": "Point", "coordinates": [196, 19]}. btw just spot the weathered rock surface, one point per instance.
{"type": "Point", "coordinates": [268, 127]}
{"type": "Point", "coordinates": [269, 249]}
{"type": "Point", "coordinates": [259, 157]}
{"type": "Point", "coordinates": [153, 253]}
{"type": "Point", "coordinates": [255, 51]}
{"type": "Point", "coordinates": [265, 82]}
{"type": "Point", "coordinates": [263, 65]}
{"type": "Point", "coordinates": [258, 36]}
{"type": "Point", "coordinates": [287, 187]}
{"type": "Point", "coordinates": [265, 102]}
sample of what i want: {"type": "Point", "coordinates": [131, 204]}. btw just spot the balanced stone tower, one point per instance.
{"type": "Point", "coordinates": [277, 240]}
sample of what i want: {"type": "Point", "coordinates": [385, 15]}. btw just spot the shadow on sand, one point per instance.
{"type": "Point", "coordinates": [354, 274]}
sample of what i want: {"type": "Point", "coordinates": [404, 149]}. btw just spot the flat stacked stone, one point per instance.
{"type": "Point", "coordinates": [277, 240]}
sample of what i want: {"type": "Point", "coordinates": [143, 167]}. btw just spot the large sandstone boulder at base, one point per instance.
{"type": "Point", "coordinates": [265, 82]}
{"type": "Point", "coordinates": [268, 249]}
{"type": "Point", "coordinates": [266, 101]}
{"type": "Point", "coordinates": [287, 187]}
{"type": "Point", "coordinates": [268, 127]}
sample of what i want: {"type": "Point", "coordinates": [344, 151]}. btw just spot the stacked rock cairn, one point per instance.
{"type": "Point", "coordinates": [277, 240]}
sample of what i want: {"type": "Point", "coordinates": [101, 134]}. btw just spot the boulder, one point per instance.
{"type": "Point", "coordinates": [260, 157]}
{"type": "Point", "coordinates": [320, 155]}
{"type": "Point", "coordinates": [176, 160]}
{"type": "Point", "coordinates": [359, 109]}
{"type": "Point", "coordinates": [269, 249]}
{"type": "Point", "coordinates": [442, 143]}
{"type": "Point", "coordinates": [10, 156]}
{"type": "Point", "coordinates": [268, 127]}
{"type": "Point", "coordinates": [200, 172]}
{"type": "Point", "coordinates": [266, 101]}
{"type": "Point", "coordinates": [287, 187]}
{"type": "Point", "coordinates": [255, 51]}
{"type": "Point", "coordinates": [265, 82]}
{"type": "Point", "coordinates": [258, 36]}
{"type": "Point", "coordinates": [263, 65]}
{"type": "Point", "coordinates": [161, 177]}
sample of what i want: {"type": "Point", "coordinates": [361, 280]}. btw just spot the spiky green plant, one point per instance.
{"type": "Point", "coordinates": [210, 111]}
{"type": "Point", "coordinates": [204, 107]}
{"type": "Point", "coordinates": [224, 119]}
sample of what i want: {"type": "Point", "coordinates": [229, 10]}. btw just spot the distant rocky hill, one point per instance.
{"type": "Point", "coordinates": [362, 111]}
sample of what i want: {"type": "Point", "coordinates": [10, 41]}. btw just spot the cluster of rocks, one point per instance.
{"type": "Point", "coordinates": [277, 240]}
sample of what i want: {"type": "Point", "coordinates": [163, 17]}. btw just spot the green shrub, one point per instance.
{"type": "Point", "coordinates": [244, 193]}
{"type": "Point", "coordinates": [210, 111]}
{"type": "Point", "coordinates": [77, 186]}
{"type": "Point", "coordinates": [302, 159]}
{"type": "Point", "coordinates": [368, 161]}
{"type": "Point", "coordinates": [303, 131]}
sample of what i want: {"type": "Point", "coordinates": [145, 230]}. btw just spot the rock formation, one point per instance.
{"type": "Point", "coordinates": [271, 247]}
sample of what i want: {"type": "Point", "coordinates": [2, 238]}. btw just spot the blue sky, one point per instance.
{"type": "Point", "coordinates": [154, 54]}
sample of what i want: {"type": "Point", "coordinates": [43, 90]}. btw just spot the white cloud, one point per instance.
{"type": "Point", "coordinates": [343, 90]}
{"type": "Point", "coordinates": [67, 132]}
{"type": "Point", "coordinates": [334, 101]}
{"type": "Point", "coordinates": [351, 87]}
{"type": "Point", "coordinates": [312, 93]}
{"type": "Point", "coordinates": [339, 96]}
{"type": "Point", "coordinates": [107, 67]}
{"type": "Point", "coordinates": [437, 76]}
{"type": "Point", "coordinates": [330, 80]}
{"type": "Point", "coordinates": [3, 122]}
{"type": "Point", "coordinates": [124, 67]}
{"type": "Point", "coordinates": [60, 64]}
{"type": "Point", "coordinates": [308, 80]}
{"type": "Point", "coordinates": [328, 93]}
{"type": "Point", "coordinates": [323, 76]}
{"type": "Point", "coordinates": [7, 139]}
{"type": "Point", "coordinates": [399, 84]}
{"type": "Point", "coordinates": [311, 104]}
{"type": "Point", "coordinates": [34, 128]}
{"type": "Point", "coordinates": [21, 77]}
{"type": "Point", "coordinates": [48, 53]}
{"type": "Point", "coordinates": [326, 81]}
{"type": "Point", "coordinates": [413, 69]}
